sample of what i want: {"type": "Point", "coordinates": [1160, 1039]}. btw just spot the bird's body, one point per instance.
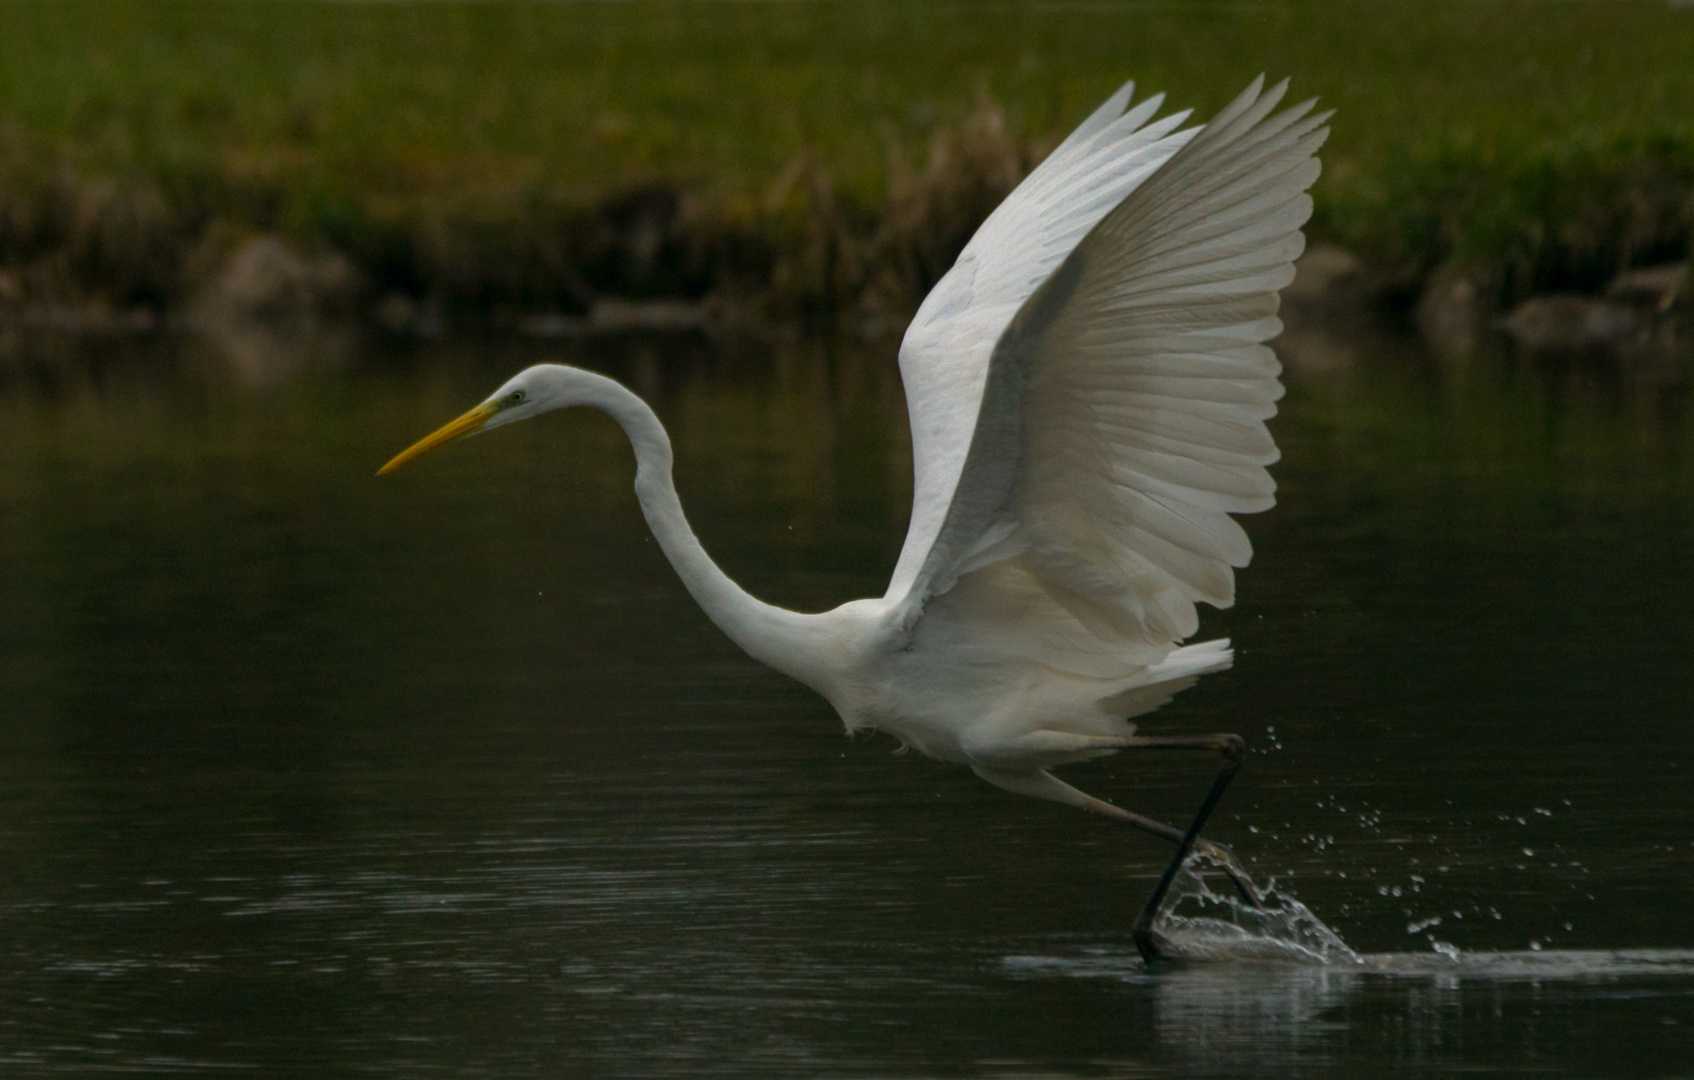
{"type": "Point", "coordinates": [1088, 388]}
{"type": "Point", "coordinates": [969, 701]}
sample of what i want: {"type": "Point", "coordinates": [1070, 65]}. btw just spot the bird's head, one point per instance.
{"type": "Point", "coordinates": [528, 393]}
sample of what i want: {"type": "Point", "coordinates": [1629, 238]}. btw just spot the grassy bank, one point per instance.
{"type": "Point", "coordinates": [533, 155]}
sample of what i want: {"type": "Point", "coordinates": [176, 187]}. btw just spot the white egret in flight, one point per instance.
{"type": "Point", "coordinates": [1088, 387]}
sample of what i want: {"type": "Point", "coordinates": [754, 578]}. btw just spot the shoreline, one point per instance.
{"type": "Point", "coordinates": [530, 168]}
{"type": "Point", "coordinates": [1336, 316]}
{"type": "Point", "coordinates": [656, 258]}
{"type": "Point", "coordinates": [821, 272]}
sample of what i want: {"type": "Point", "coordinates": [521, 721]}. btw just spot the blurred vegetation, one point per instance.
{"type": "Point", "coordinates": [827, 154]}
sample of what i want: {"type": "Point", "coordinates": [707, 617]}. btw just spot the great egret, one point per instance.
{"type": "Point", "coordinates": [1088, 387]}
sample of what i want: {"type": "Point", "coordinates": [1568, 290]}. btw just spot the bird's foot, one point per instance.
{"type": "Point", "coordinates": [1152, 945]}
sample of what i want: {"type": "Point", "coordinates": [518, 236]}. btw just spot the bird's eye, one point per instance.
{"type": "Point", "coordinates": [515, 397]}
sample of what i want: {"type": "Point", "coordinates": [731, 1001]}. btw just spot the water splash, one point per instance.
{"type": "Point", "coordinates": [1201, 923]}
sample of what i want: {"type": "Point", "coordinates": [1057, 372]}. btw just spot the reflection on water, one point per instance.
{"type": "Point", "coordinates": [307, 772]}
{"type": "Point", "coordinates": [1470, 1007]}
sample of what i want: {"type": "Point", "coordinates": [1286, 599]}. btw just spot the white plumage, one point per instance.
{"type": "Point", "coordinates": [1088, 388]}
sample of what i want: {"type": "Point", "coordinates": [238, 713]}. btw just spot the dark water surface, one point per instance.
{"type": "Point", "coordinates": [312, 774]}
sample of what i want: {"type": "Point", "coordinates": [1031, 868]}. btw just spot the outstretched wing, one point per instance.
{"type": "Point", "coordinates": [1121, 416]}
{"type": "Point", "coordinates": [944, 358]}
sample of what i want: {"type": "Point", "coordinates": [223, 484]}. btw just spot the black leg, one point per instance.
{"type": "Point", "coordinates": [1234, 750]}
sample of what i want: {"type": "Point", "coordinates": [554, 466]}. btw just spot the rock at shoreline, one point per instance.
{"type": "Point", "coordinates": [1558, 323]}
{"type": "Point", "coordinates": [1323, 310]}
{"type": "Point", "coordinates": [266, 281]}
{"type": "Point", "coordinates": [398, 313]}
{"type": "Point", "coordinates": [1655, 287]}
{"type": "Point", "coordinates": [1324, 272]}
{"type": "Point", "coordinates": [1450, 314]}
{"type": "Point", "coordinates": [1631, 314]}
{"type": "Point", "coordinates": [267, 311]}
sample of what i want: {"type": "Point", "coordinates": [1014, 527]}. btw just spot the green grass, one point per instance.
{"type": "Point", "coordinates": [1544, 142]}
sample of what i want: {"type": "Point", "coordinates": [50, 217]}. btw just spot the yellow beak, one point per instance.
{"type": "Point", "coordinates": [468, 424]}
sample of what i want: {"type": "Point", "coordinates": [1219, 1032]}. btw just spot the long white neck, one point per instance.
{"type": "Point", "coordinates": [773, 635]}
